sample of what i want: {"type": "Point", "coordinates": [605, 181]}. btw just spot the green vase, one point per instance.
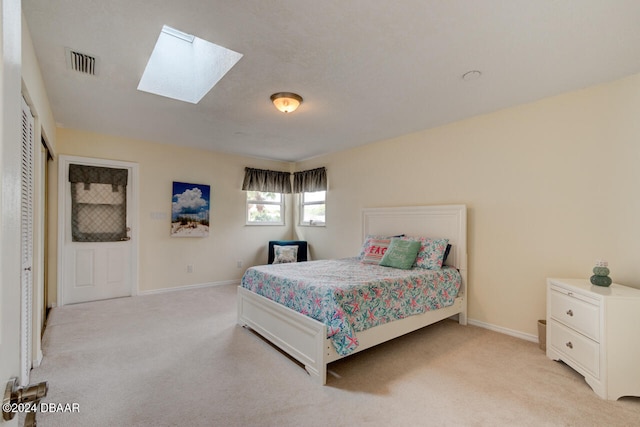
{"type": "Point", "coordinates": [600, 280]}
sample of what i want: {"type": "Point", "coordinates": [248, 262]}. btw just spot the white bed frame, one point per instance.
{"type": "Point", "coordinates": [305, 339]}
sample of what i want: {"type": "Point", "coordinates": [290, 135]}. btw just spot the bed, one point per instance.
{"type": "Point", "coordinates": [316, 342]}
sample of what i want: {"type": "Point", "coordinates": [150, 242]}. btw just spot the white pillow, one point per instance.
{"type": "Point", "coordinates": [285, 254]}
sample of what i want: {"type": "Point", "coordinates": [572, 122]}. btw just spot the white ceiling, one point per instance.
{"type": "Point", "coordinates": [367, 70]}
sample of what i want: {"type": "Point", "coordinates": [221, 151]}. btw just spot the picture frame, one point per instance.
{"type": "Point", "coordinates": [190, 207]}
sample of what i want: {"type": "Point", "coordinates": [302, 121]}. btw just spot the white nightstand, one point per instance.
{"type": "Point", "coordinates": [596, 331]}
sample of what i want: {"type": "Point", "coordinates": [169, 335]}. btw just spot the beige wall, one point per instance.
{"type": "Point", "coordinates": [550, 187]}
{"type": "Point", "coordinates": [34, 92]}
{"type": "Point", "coordinates": [162, 259]}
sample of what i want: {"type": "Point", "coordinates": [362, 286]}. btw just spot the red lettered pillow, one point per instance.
{"type": "Point", "coordinates": [375, 251]}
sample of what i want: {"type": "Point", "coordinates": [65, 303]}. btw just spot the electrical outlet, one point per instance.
{"type": "Point", "coordinates": [239, 263]}
{"type": "Point", "coordinates": [189, 268]}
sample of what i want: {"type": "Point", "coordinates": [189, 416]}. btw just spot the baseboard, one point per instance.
{"type": "Point", "coordinates": [38, 360]}
{"type": "Point", "coordinates": [506, 331]}
{"type": "Point", "coordinates": [185, 287]}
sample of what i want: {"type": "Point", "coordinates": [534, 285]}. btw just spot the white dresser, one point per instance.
{"type": "Point", "coordinates": [596, 331]}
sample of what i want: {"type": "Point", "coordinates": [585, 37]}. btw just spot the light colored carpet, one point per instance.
{"type": "Point", "coordinates": [179, 359]}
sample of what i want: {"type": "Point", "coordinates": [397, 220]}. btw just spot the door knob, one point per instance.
{"type": "Point", "coordinates": [15, 395]}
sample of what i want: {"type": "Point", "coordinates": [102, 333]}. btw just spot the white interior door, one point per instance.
{"type": "Point", "coordinates": [92, 269]}
{"type": "Point", "coordinates": [9, 193]}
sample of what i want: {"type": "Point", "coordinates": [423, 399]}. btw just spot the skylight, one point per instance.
{"type": "Point", "coordinates": [185, 67]}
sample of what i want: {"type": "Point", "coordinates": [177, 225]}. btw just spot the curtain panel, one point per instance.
{"type": "Point", "coordinates": [310, 180]}
{"type": "Point", "coordinates": [266, 181]}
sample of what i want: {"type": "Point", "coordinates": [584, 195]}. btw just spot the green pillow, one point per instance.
{"type": "Point", "coordinates": [401, 254]}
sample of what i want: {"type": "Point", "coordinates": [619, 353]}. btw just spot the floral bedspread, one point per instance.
{"type": "Point", "coordinates": [349, 296]}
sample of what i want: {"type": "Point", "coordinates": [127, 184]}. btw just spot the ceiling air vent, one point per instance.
{"type": "Point", "coordinates": [82, 62]}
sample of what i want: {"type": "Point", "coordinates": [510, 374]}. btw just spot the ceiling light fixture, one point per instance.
{"type": "Point", "coordinates": [286, 102]}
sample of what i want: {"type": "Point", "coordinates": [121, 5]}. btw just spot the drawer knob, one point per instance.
{"type": "Point", "coordinates": [570, 313]}
{"type": "Point", "coordinates": [569, 344]}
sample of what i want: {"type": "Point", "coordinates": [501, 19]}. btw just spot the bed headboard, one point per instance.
{"type": "Point", "coordinates": [440, 221]}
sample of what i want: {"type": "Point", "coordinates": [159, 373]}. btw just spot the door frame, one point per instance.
{"type": "Point", "coordinates": [10, 154]}
{"type": "Point", "coordinates": [63, 167]}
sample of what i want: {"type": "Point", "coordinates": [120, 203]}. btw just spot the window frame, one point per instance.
{"type": "Point", "coordinates": [302, 204]}
{"type": "Point", "coordinates": [281, 203]}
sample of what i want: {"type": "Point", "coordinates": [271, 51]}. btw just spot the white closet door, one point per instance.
{"type": "Point", "coordinates": [26, 243]}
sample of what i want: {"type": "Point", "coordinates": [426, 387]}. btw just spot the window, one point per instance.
{"type": "Point", "coordinates": [185, 67]}
{"type": "Point", "coordinates": [265, 208]}
{"type": "Point", "coordinates": [98, 203]}
{"type": "Point", "coordinates": [312, 208]}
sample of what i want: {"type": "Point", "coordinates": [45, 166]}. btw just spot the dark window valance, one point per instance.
{"type": "Point", "coordinates": [310, 180]}
{"type": "Point", "coordinates": [266, 181]}
{"type": "Point", "coordinates": [97, 175]}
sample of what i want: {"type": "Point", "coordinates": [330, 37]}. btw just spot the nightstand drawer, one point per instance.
{"type": "Point", "coordinates": [576, 347]}
{"type": "Point", "coordinates": [576, 313]}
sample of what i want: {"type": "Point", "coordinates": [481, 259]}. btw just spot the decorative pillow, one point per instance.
{"type": "Point", "coordinates": [401, 254]}
{"type": "Point", "coordinates": [431, 253]}
{"type": "Point", "coordinates": [285, 254]}
{"type": "Point", "coordinates": [367, 242]}
{"type": "Point", "coordinates": [375, 250]}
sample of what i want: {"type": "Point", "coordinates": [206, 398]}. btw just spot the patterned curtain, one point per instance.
{"type": "Point", "coordinates": [266, 181]}
{"type": "Point", "coordinates": [310, 180]}
{"type": "Point", "coordinates": [98, 203]}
